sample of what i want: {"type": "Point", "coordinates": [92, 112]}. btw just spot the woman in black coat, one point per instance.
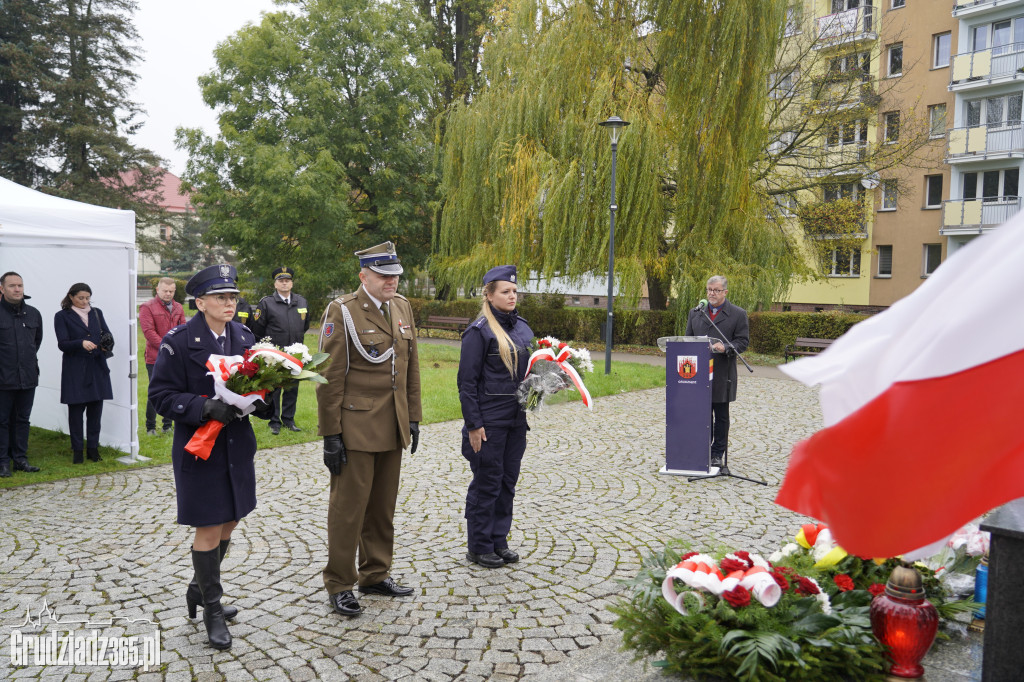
{"type": "Point", "coordinates": [84, 377]}
{"type": "Point", "coordinates": [213, 494]}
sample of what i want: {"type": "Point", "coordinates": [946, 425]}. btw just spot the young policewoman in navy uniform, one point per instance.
{"type": "Point", "coordinates": [495, 351]}
{"type": "Point", "coordinates": [213, 494]}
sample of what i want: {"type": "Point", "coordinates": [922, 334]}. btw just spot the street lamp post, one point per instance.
{"type": "Point", "coordinates": [614, 124]}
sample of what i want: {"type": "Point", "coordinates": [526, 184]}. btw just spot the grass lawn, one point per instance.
{"type": "Point", "coordinates": [51, 450]}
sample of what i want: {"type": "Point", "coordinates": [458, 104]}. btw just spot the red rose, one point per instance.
{"type": "Point", "coordinates": [843, 582]}
{"type": "Point", "coordinates": [248, 369]}
{"type": "Point", "coordinates": [730, 565]}
{"type": "Point", "coordinates": [780, 580]}
{"type": "Point", "coordinates": [737, 596]}
{"type": "Point", "coordinates": [544, 343]}
{"type": "Point", "coordinates": [876, 589]}
{"type": "Point", "coordinates": [688, 555]}
{"type": "Point", "coordinates": [562, 345]}
{"type": "Point", "coordinates": [745, 556]}
{"type": "Point", "coordinates": [806, 587]}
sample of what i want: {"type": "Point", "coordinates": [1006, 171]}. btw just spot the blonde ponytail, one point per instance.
{"type": "Point", "coordinates": [506, 347]}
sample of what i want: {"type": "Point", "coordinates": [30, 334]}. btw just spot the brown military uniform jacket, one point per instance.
{"type": "Point", "coordinates": [368, 405]}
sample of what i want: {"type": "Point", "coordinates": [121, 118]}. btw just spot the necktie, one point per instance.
{"type": "Point", "coordinates": [387, 314]}
{"type": "Point", "coordinates": [223, 341]}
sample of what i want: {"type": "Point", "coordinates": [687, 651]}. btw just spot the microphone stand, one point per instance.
{"type": "Point", "coordinates": [723, 470]}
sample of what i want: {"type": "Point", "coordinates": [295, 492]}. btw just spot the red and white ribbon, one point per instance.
{"type": "Point", "coordinates": [561, 358]}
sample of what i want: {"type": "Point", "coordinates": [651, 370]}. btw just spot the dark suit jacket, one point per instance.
{"type": "Point", "coordinates": [732, 320]}
{"type": "Point", "coordinates": [84, 375]}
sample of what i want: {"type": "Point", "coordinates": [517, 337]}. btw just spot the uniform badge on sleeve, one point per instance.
{"type": "Point", "coordinates": [328, 329]}
{"type": "Point", "coordinates": [256, 313]}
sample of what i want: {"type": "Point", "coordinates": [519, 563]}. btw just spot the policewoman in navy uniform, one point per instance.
{"type": "Point", "coordinates": [216, 493]}
{"type": "Point", "coordinates": [493, 362]}
{"type": "Point", "coordinates": [284, 317]}
{"type": "Point", "coordinates": [84, 375]}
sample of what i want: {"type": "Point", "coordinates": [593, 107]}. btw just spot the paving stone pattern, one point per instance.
{"type": "Point", "coordinates": [590, 504]}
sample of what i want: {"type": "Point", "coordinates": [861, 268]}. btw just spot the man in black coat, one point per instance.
{"type": "Point", "coordinates": [732, 321]}
{"type": "Point", "coordinates": [283, 317]}
{"type": "Point", "coordinates": [21, 334]}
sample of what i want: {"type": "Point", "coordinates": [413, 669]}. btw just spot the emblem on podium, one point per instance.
{"type": "Point", "coordinates": [686, 365]}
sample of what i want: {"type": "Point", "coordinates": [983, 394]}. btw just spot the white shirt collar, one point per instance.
{"type": "Point", "coordinates": [371, 297]}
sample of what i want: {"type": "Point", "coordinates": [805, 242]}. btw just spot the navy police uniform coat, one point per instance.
{"type": "Point", "coordinates": [223, 487]}
{"type": "Point", "coordinates": [732, 320]}
{"type": "Point", "coordinates": [84, 375]}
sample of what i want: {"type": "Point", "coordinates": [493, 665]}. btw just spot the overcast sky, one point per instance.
{"type": "Point", "coordinates": [178, 39]}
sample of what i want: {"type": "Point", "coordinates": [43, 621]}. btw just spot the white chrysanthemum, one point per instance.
{"type": "Point", "coordinates": [583, 362]}
{"type": "Point", "coordinates": [264, 344]}
{"type": "Point", "coordinates": [552, 340]}
{"type": "Point", "coordinates": [758, 560]}
{"type": "Point", "coordinates": [786, 551]}
{"type": "Point", "coordinates": [300, 351]}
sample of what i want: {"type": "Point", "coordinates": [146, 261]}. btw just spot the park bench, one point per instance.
{"type": "Point", "coordinates": [451, 324]}
{"type": "Point", "coordinates": [806, 346]}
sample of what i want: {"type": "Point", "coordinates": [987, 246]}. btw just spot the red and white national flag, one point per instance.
{"type": "Point", "coordinates": [923, 407]}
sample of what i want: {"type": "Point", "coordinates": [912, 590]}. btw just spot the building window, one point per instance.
{"type": "Point", "coordinates": [575, 300]}
{"type": "Point", "coordinates": [845, 263]}
{"type": "Point", "coordinates": [786, 204]}
{"type": "Point", "coordinates": [597, 301]}
{"type": "Point", "coordinates": [888, 195]}
{"type": "Point", "coordinates": [842, 190]}
{"type": "Point", "coordinates": [885, 261]}
{"type": "Point", "coordinates": [896, 59]}
{"type": "Point", "coordinates": [850, 63]}
{"type": "Point", "coordinates": [896, 4]}
{"type": "Point", "coordinates": [783, 84]}
{"type": "Point", "coordinates": [996, 185]}
{"type": "Point", "coordinates": [996, 112]}
{"type": "Point", "coordinates": [932, 258]}
{"type": "Point", "coordinates": [937, 120]}
{"type": "Point", "coordinates": [932, 191]}
{"type": "Point", "coordinates": [783, 144]}
{"type": "Point", "coordinates": [892, 126]}
{"type": "Point", "coordinates": [940, 49]}
{"type": "Point", "coordinates": [792, 20]}
{"type": "Point", "coordinates": [849, 133]}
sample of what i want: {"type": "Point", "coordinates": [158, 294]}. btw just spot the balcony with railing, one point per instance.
{"type": "Point", "coordinates": [973, 216]}
{"type": "Point", "coordinates": [848, 26]}
{"type": "Point", "coordinates": [985, 142]}
{"type": "Point", "coordinates": [963, 8]}
{"type": "Point", "coordinates": [984, 67]}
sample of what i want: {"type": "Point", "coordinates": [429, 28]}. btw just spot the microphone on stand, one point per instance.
{"type": "Point", "coordinates": [702, 305]}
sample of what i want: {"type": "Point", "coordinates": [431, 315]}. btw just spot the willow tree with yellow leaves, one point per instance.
{"type": "Point", "coordinates": [526, 168]}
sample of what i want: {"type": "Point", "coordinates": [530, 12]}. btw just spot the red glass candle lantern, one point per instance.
{"type": "Point", "coordinates": [904, 621]}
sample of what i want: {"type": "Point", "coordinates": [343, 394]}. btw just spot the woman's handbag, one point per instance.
{"type": "Point", "coordinates": [107, 344]}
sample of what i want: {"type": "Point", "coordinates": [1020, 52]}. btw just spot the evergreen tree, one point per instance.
{"type": "Point", "coordinates": [323, 148]}
{"type": "Point", "coordinates": [23, 62]}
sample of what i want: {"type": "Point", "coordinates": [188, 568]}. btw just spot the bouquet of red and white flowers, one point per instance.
{"type": "Point", "coordinates": [553, 367]}
{"type": "Point", "coordinates": [241, 380]}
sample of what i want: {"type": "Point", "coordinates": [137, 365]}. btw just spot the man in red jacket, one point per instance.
{"type": "Point", "coordinates": [157, 317]}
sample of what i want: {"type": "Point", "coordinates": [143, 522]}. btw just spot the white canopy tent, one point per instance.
{"type": "Point", "coordinates": [53, 243]}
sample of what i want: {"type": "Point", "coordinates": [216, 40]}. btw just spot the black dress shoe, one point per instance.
{"type": "Point", "coordinates": [5, 470]}
{"type": "Point", "coordinates": [388, 587]}
{"type": "Point", "coordinates": [275, 429]}
{"type": "Point", "coordinates": [489, 560]}
{"type": "Point", "coordinates": [345, 603]}
{"type": "Point", "coordinates": [716, 461]}
{"type": "Point", "coordinates": [507, 555]}
{"type": "Point", "coordinates": [24, 466]}
{"type": "Point", "coordinates": [292, 427]}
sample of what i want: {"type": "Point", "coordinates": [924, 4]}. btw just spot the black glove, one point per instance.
{"type": "Point", "coordinates": [222, 412]}
{"type": "Point", "coordinates": [414, 431]}
{"type": "Point", "coordinates": [334, 454]}
{"type": "Point", "coordinates": [263, 410]}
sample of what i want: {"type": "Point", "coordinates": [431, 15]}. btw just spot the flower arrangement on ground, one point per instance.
{"type": "Point", "coordinates": [241, 380]}
{"type": "Point", "coordinates": [801, 614]}
{"type": "Point", "coordinates": [554, 366]}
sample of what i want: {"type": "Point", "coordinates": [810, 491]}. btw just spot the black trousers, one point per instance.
{"type": "Point", "coordinates": [283, 404]}
{"type": "Point", "coordinates": [151, 408]}
{"type": "Point", "coordinates": [720, 430]}
{"type": "Point", "coordinates": [93, 412]}
{"type": "Point", "coordinates": [15, 408]}
{"type": "Point", "coordinates": [492, 491]}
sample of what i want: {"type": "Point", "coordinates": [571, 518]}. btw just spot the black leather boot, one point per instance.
{"type": "Point", "coordinates": [76, 457]}
{"type": "Point", "coordinates": [207, 565]}
{"type": "Point", "coordinates": [93, 454]}
{"type": "Point", "coordinates": [194, 598]}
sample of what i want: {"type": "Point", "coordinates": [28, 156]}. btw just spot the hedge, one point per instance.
{"type": "Point", "coordinates": [771, 332]}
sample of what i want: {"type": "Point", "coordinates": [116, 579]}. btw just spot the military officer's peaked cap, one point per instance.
{"type": "Point", "coordinates": [505, 273]}
{"type": "Point", "coordinates": [283, 272]}
{"type": "Point", "coordinates": [216, 279]}
{"type": "Point", "coordinates": [382, 259]}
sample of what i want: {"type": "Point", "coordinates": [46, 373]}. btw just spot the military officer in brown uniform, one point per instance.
{"type": "Point", "coordinates": [369, 411]}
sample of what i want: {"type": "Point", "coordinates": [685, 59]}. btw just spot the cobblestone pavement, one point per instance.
{"type": "Point", "coordinates": [591, 503]}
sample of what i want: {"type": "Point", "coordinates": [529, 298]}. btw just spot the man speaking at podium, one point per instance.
{"type": "Point", "coordinates": [731, 323]}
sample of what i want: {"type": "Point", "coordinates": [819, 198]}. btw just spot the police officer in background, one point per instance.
{"type": "Point", "coordinates": [243, 312]}
{"type": "Point", "coordinates": [284, 318]}
{"type": "Point", "coordinates": [369, 411]}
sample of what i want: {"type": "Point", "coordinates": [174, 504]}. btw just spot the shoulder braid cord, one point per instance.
{"type": "Point", "coordinates": [349, 329]}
